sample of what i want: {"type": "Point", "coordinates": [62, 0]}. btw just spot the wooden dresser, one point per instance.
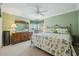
{"type": "Point", "coordinates": [20, 37]}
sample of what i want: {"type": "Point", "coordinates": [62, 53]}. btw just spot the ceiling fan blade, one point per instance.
{"type": "Point", "coordinates": [44, 11]}
{"type": "Point", "coordinates": [41, 14]}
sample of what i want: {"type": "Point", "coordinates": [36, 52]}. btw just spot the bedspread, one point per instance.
{"type": "Point", "coordinates": [53, 43]}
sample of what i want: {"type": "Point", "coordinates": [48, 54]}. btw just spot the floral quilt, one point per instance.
{"type": "Point", "coordinates": [53, 43]}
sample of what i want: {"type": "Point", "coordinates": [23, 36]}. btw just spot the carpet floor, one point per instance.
{"type": "Point", "coordinates": [22, 49]}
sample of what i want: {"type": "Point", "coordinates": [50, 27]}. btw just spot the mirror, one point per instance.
{"type": "Point", "coordinates": [21, 25]}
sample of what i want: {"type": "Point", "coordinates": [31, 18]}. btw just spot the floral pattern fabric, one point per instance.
{"type": "Point", "coordinates": [53, 43]}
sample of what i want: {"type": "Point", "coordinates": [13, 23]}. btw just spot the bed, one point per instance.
{"type": "Point", "coordinates": [57, 44]}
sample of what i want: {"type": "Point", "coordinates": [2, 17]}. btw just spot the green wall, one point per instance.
{"type": "Point", "coordinates": [65, 20]}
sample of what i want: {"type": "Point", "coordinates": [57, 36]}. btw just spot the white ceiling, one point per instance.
{"type": "Point", "coordinates": [28, 9]}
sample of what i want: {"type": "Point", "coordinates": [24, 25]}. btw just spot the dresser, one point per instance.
{"type": "Point", "coordinates": [20, 37]}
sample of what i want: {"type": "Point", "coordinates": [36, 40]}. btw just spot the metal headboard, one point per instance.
{"type": "Point", "coordinates": [68, 27]}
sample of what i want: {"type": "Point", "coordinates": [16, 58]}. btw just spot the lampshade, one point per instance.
{"type": "Point", "coordinates": [13, 25]}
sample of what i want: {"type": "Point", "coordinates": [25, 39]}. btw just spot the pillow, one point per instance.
{"type": "Point", "coordinates": [62, 30]}
{"type": "Point", "coordinates": [52, 30]}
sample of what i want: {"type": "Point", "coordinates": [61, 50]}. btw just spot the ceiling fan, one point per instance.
{"type": "Point", "coordinates": [40, 12]}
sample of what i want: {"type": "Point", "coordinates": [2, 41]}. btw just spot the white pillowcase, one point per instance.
{"type": "Point", "coordinates": [62, 30]}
